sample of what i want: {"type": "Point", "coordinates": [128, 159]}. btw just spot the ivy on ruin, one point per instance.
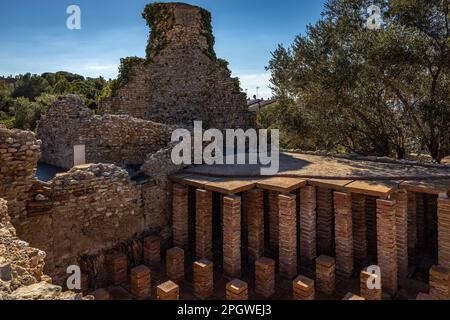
{"type": "Point", "coordinates": [126, 65]}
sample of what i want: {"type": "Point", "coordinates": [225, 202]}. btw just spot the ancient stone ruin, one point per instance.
{"type": "Point", "coordinates": [140, 227]}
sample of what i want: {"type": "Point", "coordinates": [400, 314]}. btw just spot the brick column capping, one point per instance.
{"type": "Point", "coordinates": [140, 282]}
{"type": "Point", "coordinates": [117, 264]}
{"type": "Point", "coordinates": [273, 220]}
{"type": "Point", "coordinates": [253, 201]}
{"type": "Point", "coordinates": [325, 226]}
{"type": "Point", "coordinates": [180, 215]}
{"type": "Point", "coordinates": [359, 229]}
{"type": "Point", "coordinates": [351, 296]}
{"type": "Point", "coordinates": [326, 275]}
{"type": "Point", "coordinates": [265, 277]}
{"type": "Point", "coordinates": [303, 288]}
{"type": "Point", "coordinates": [440, 283]}
{"type": "Point", "coordinates": [203, 279]}
{"type": "Point", "coordinates": [401, 231]}
{"type": "Point", "coordinates": [175, 264]}
{"type": "Point", "coordinates": [444, 231]}
{"type": "Point", "coordinates": [101, 294]}
{"type": "Point", "coordinates": [343, 234]}
{"type": "Point", "coordinates": [152, 251]}
{"type": "Point", "coordinates": [203, 224]}
{"type": "Point", "coordinates": [307, 225]}
{"type": "Point", "coordinates": [232, 236]}
{"type": "Point", "coordinates": [168, 291]}
{"type": "Point", "coordinates": [412, 227]}
{"type": "Point", "coordinates": [387, 248]}
{"type": "Point", "coordinates": [287, 235]}
{"type": "Point", "coordinates": [237, 290]}
{"type": "Point", "coordinates": [365, 292]}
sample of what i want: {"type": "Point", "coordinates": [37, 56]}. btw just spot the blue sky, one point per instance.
{"type": "Point", "coordinates": [34, 37]}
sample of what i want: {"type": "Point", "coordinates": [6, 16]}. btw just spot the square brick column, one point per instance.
{"type": "Point", "coordinates": [118, 264]}
{"type": "Point", "coordinates": [232, 236]}
{"type": "Point", "coordinates": [287, 233]}
{"type": "Point", "coordinates": [203, 224]}
{"type": "Point", "coordinates": [168, 291]}
{"type": "Point", "coordinates": [203, 279]}
{"type": "Point", "coordinates": [412, 228]}
{"type": "Point", "coordinates": [387, 244]}
{"type": "Point", "coordinates": [303, 288]}
{"type": "Point", "coordinates": [401, 230]}
{"type": "Point", "coordinates": [326, 275]}
{"type": "Point", "coordinates": [273, 220]}
{"type": "Point", "coordinates": [359, 229]}
{"type": "Point", "coordinates": [180, 216]}
{"type": "Point", "coordinates": [444, 231]}
{"type": "Point", "coordinates": [140, 281]}
{"type": "Point", "coordinates": [420, 223]}
{"type": "Point", "coordinates": [175, 264]}
{"type": "Point", "coordinates": [152, 251]}
{"type": "Point", "coordinates": [371, 226]}
{"type": "Point", "coordinates": [253, 202]}
{"type": "Point", "coordinates": [265, 277]}
{"type": "Point", "coordinates": [365, 292]}
{"type": "Point", "coordinates": [440, 283]}
{"type": "Point", "coordinates": [325, 225]}
{"type": "Point", "coordinates": [343, 233]}
{"type": "Point", "coordinates": [308, 226]}
{"type": "Point", "coordinates": [237, 290]}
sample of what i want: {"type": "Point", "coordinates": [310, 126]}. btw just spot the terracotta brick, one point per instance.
{"type": "Point", "coordinates": [387, 245]}
{"type": "Point", "coordinates": [152, 251]}
{"type": "Point", "coordinates": [117, 264]}
{"type": "Point", "coordinates": [325, 221]}
{"type": "Point", "coordinates": [412, 228]}
{"type": "Point", "coordinates": [308, 225]}
{"type": "Point", "coordinates": [401, 230]}
{"type": "Point", "coordinates": [365, 292]}
{"type": "Point", "coordinates": [237, 290]}
{"type": "Point", "coordinates": [371, 226]}
{"type": "Point", "coordinates": [168, 291]}
{"type": "Point", "coordinates": [440, 283]}
{"type": "Point", "coordinates": [359, 229]}
{"type": "Point", "coordinates": [140, 282]}
{"type": "Point", "coordinates": [273, 220]}
{"type": "Point", "coordinates": [326, 274]}
{"type": "Point", "coordinates": [287, 235]}
{"type": "Point", "coordinates": [232, 236]}
{"type": "Point", "coordinates": [344, 234]}
{"type": "Point", "coordinates": [203, 224]}
{"type": "Point", "coordinates": [303, 288]}
{"type": "Point", "coordinates": [253, 202]}
{"type": "Point", "coordinates": [175, 264]}
{"type": "Point", "coordinates": [203, 280]}
{"type": "Point", "coordinates": [180, 215]}
{"type": "Point", "coordinates": [265, 277]}
{"type": "Point", "coordinates": [351, 296]}
{"type": "Point", "coordinates": [444, 231]}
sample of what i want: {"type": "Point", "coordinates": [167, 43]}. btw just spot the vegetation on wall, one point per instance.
{"type": "Point", "coordinates": [126, 65]}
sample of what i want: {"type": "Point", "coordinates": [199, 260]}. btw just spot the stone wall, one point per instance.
{"type": "Point", "coordinates": [181, 80]}
{"type": "Point", "coordinates": [120, 140]}
{"type": "Point", "coordinates": [19, 153]}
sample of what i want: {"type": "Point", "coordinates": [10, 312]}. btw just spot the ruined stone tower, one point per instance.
{"type": "Point", "coordinates": [181, 79]}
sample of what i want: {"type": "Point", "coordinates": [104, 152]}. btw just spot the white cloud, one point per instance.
{"type": "Point", "coordinates": [250, 81]}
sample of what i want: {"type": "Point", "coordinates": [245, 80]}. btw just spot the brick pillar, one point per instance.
{"type": "Point", "coordinates": [326, 275]}
{"type": "Point", "coordinates": [365, 292]}
{"type": "Point", "coordinates": [420, 222]}
{"type": "Point", "coordinates": [412, 228]}
{"type": "Point", "coordinates": [440, 283]}
{"type": "Point", "coordinates": [203, 279]}
{"type": "Point", "coordinates": [343, 233]}
{"type": "Point", "coordinates": [203, 224]}
{"type": "Point", "coordinates": [325, 226]}
{"type": "Point", "coordinates": [253, 202]}
{"type": "Point", "coordinates": [273, 220]}
{"type": "Point", "coordinates": [175, 264]}
{"type": "Point", "coordinates": [237, 290]}
{"type": "Point", "coordinates": [140, 280]}
{"type": "Point", "coordinates": [180, 216]}
{"type": "Point", "coordinates": [307, 225]}
{"type": "Point", "coordinates": [232, 236]}
{"type": "Point", "coordinates": [118, 268]}
{"type": "Point", "coordinates": [168, 291]}
{"type": "Point", "coordinates": [152, 251]}
{"type": "Point", "coordinates": [401, 231]}
{"type": "Point", "coordinates": [303, 288]}
{"type": "Point", "coordinates": [265, 277]}
{"type": "Point", "coordinates": [371, 226]}
{"type": "Point", "coordinates": [359, 229]}
{"type": "Point", "coordinates": [444, 231]}
{"type": "Point", "coordinates": [287, 235]}
{"type": "Point", "coordinates": [387, 246]}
